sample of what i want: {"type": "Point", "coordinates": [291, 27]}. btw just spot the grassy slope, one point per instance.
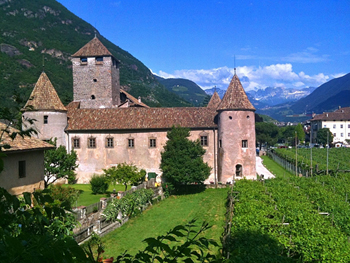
{"type": "Point", "coordinates": [207, 206]}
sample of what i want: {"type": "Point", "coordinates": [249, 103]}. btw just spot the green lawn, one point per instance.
{"type": "Point", "coordinates": [274, 167]}
{"type": "Point", "coordinates": [207, 206]}
{"type": "Point", "coordinates": [88, 198]}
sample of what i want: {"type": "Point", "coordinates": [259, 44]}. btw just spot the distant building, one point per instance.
{"type": "Point", "coordinates": [23, 163]}
{"type": "Point", "coordinates": [338, 123]}
{"type": "Point", "coordinates": [106, 126]}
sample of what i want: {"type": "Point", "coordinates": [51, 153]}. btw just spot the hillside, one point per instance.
{"type": "Point", "coordinates": [186, 89]}
{"type": "Point", "coordinates": [326, 97]}
{"type": "Point", "coordinates": [33, 33]}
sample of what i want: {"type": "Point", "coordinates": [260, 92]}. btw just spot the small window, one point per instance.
{"type": "Point", "coordinates": [92, 143]}
{"type": "Point", "coordinates": [341, 134]}
{"type": "Point", "coordinates": [349, 126]}
{"type": "Point", "coordinates": [341, 126]}
{"type": "Point", "coordinates": [220, 143]}
{"type": "Point", "coordinates": [99, 59]}
{"type": "Point", "coordinates": [239, 170]}
{"type": "Point", "coordinates": [334, 134]}
{"type": "Point", "coordinates": [204, 140]}
{"type": "Point", "coordinates": [76, 143]}
{"type": "Point", "coordinates": [325, 126]}
{"type": "Point", "coordinates": [334, 126]}
{"type": "Point", "coordinates": [131, 143]}
{"type": "Point", "coordinates": [22, 169]}
{"type": "Point", "coordinates": [244, 143]}
{"type": "Point", "coordinates": [109, 142]}
{"type": "Point", "coordinates": [46, 119]}
{"type": "Point", "coordinates": [93, 97]}
{"type": "Point", "coordinates": [152, 143]}
{"type": "Point", "coordinates": [348, 134]}
{"type": "Point", "coordinates": [83, 60]}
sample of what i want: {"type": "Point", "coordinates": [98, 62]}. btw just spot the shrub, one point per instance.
{"type": "Point", "coordinates": [99, 184]}
{"type": "Point", "coordinates": [64, 194]}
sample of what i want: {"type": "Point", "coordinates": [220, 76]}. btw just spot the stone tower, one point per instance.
{"type": "Point", "coordinates": [46, 108]}
{"type": "Point", "coordinates": [236, 135]}
{"type": "Point", "coordinates": [95, 76]}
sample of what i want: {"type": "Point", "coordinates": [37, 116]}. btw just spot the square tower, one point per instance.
{"type": "Point", "coordinates": [96, 81]}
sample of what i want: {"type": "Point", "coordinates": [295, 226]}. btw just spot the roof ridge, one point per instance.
{"type": "Point", "coordinates": [92, 49]}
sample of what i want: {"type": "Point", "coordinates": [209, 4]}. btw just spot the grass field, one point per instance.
{"type": "Point", "coordinates": [206, 206]}
{"type": "Point", "coordinates": [88, 198]}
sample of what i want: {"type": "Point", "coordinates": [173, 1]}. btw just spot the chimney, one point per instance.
{"type": "Point", "coordinates": [139, 99]}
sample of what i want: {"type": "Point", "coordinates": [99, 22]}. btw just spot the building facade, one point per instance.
{"type": "Point", "coordinates": [106, 126]}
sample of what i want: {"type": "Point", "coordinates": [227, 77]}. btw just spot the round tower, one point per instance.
{"type": "Point", "coordinates": [46, 109]}
{"type": "Point", "coordinates": [236, 135]}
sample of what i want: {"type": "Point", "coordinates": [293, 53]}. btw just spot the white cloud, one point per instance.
{"type": "Point", "coordinates": [309, 55]}
{"type": "Point", "coordinates": [276, 75]}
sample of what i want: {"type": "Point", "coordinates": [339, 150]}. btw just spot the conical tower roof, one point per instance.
{"type": "Point", "coordinates": [235, 97]}
{"type": "Point", "coordinates": [44, 96]}
{"type": "Point", "coordinates": [94, 48]}
{"type": "Point", "coordinates": [214, 101]}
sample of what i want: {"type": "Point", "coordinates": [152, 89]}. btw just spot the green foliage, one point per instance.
{"type": "Point", "coordinates": [59, 164]}
{"type": "Point", "coordinates": [36, 229]}
{"type": "Point", "coordinates": [322, 136]}
{"type": "Point", "coordinates": [99, 184]}
{"type": "Point", "coordinates": [67, 195]}
{"type": "Point", "coordinates": [168, 248]}
{"type": "Point", "coordinates": [300, 132]}
{"type": "Point", "coordinates": [130, 205]}
{"type": "Point", "coordinates": [266, 132]}
{"type": "Point", "coordinates": [125, 174]}
{"type": "Point", "coordinates": [182, 159]}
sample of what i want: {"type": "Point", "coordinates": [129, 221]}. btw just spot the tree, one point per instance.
{"type": "Point", "coordinates": [322, 136]}
{"type": "Point", "coordinates": [125, 174]}
{"type": "Point", "coordinates": [266, 132]}
{"type": "Point", "coordinates": [59, 164]}
{"type": "Point", "coordinates": [300, 132]}
{"type": "Point", "coordinates": [182, 159]}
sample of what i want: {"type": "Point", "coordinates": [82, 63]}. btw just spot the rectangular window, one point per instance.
{"type": "Point", "coordinates": [342, 135]}
{"type": "Point", "coordinates": [46, 119]}
{"type": "Point", "coordinates": [92, 143]}
{"type": "Point", "coordinates": [109, 142]}
{"type": "Point", "coordinates": [83, 60]}
{"type": "Point", "coordinates": [349, 126]}
{"type": "Point", "coordinates": [325, 126]}
{"type": "Point", "coordinates": [334, 134]}
{"type": "Point", "coordinates": [131, 143]}
{"type": "Point", "coordinates": [152, 143]}
{"type": "Point", "coordinates": [348, 134]}
{"type": "Point", "coordinates": [341, 126]}
{"type": "Point", "coordinates": [204, 140]}
{"type": "Point", "coordinates": [99, 59]}
{"type": "Point", "coordinates": [244, 143]}
{"type": "Point", "coordinates": [334, 126]}
{"type": "Point", "coordinates": [76, 143]}
{"type": "Point", "coordinates": [220, 143]}
{"type": "Point", "coordinates": [22, 169]}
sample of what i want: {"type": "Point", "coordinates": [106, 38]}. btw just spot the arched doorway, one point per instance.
{"type": "Point", "coordinates": [239, 170]}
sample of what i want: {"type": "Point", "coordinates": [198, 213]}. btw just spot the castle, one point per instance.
{"type": "Point", "coordinates": [105, 125]}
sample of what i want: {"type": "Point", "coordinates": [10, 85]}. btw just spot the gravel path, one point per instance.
{"type": "Point", "coordinates": [261, 169]}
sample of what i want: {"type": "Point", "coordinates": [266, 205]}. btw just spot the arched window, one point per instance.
{"type": "Point", "coordinates": [239, 170]}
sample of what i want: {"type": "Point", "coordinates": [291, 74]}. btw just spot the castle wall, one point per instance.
{"type": "Point", "coordinates": [234, 127]}
{"type": "Point", "coordinates": [96, 83]}
{"type": "Point", "coordinates": [54, 128]}
{"type": "Point", "coordinates": [93, 160]}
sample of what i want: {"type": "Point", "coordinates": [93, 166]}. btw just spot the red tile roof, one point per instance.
{"type": "Point", "coordinates": [22, 143]}
{"type": "Point", "coordinates": [342, 114]}
{"type": "Point", "coordinates": [133, 100]}
{"type": "Point", "coordinates": [235, 97]}
{"type": "Point", "coordinates": [94, 48]}
{"type": "Point", "coordinates": [139, 118]}
{"type": "Point", "coordinates": [214, 101]}
{"type": "Point", "coordinates": [44, 96]}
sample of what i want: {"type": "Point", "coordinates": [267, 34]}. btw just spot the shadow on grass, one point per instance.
{"type": "Point", "coordinates": [250, 246]}
{"type": "Point", "coordinates": [190, 189]}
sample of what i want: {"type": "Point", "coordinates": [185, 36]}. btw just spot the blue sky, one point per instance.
{"type": "Point", "coordinates": [294, 44]}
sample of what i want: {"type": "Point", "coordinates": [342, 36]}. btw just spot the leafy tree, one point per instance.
{"type": "Point", "coordinates": [287, 134]}
{"type": "Point", "coordinates": [59, 164]}
{"type": "Point", "coordinates": [266, 132]}
{"type": "Point", "coordinates": [322, 136]}
{"type": "Point", "coordinates": [182, 159]}
{"type": "Point", "coordinates": [125, 174]}
{"type": "Point", "coordinates": [300, 132]}
{"type": "Point", "coordinates": [69, 195]}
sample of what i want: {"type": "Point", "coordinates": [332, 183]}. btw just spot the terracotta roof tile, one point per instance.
{"type": "Point", "coordinates": [338, 115]}
{"type": "Point", "coordinates": [44, 96]}
{"type": "Point", "coordinates": [22, 143]}
{"type": "Point", "coordinates": [235, 97]}
{"type": "Point", "coordinates": [93, 49]}
{"type": "Point", "coordinates": [140, 118]}
{"type": "Point", "coordinates": [133, 100]}
{"type": "Point", "coordinates": [214, 101]}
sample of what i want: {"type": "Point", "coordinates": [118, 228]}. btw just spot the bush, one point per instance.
{"type": "Point", "coordinates": [99, 184]}
{"type": "Point", "coordinates": [64, 194]}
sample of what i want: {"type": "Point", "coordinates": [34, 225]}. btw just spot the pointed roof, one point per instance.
{"type": "Point", "coordinates": [235, 97]}
{"type": "Point", "coordinates": [94, 48]}
{"type": "Point", "coordinates": [214, 101]}
{"type": "Point", "coordinates": [44, 96]}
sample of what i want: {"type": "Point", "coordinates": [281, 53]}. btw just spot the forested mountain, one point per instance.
{"type": "Point", "coordinates": [186, 89]}
{"type": "Point", "coordinates": [33, 33]}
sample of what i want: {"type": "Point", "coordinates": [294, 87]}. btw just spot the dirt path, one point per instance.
{"type": "Point", "coordinates": [261, 169]}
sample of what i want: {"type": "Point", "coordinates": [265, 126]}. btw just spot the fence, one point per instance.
{"type": "Point", "coordinates": [287, 165]}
